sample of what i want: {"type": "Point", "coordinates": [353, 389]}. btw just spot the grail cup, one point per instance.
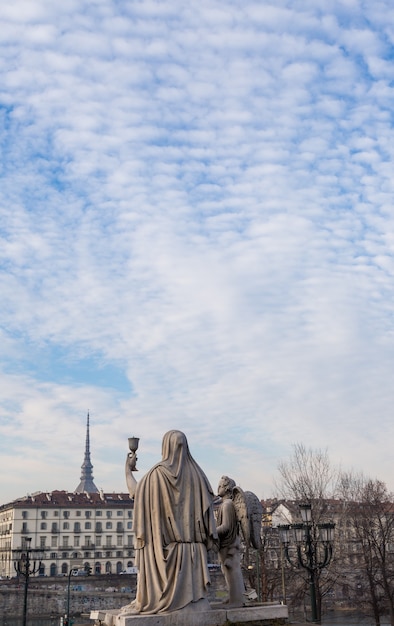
{"type": "Point", "coordinates": [133, 444]}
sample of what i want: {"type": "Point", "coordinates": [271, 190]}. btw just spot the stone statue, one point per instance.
{"type": "Point", "coordinates": [230, 543]}
{"type": "Point", "coordinates": [131, 466]}
{"type": "Point", "coordinates": [174, 526]}
{"type": "Point", "coordinates": [238, 511]}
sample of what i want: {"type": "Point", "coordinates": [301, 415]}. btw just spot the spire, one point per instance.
{"type": "Point", "coordinates": [87, 483]}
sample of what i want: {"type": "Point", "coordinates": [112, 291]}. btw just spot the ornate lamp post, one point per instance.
{"type": "Point", "coordinates": [314, 548]}
{"type": "Point", "coordinates": [70, 573]}
{"type": "Point", "coordinates": [26, 566]}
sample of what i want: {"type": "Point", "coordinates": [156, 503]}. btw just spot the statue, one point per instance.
{"type": "Point", "coordinates": [174, 526]}
{"type": "Point", "coordinates": [239, 511]}
{"type": "Point", "coordinates": [131, 465]}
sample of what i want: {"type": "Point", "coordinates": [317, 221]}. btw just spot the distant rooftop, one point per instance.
{"type": "Point", "coordinates": [67, 499]}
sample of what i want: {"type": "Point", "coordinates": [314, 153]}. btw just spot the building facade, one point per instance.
{"type": "Point", "coordinates": [84, 528]}
{"type": "Point", "coordinates": [69, 530]}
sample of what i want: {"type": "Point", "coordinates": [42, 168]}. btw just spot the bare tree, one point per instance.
{"type": "Point", "coordinates": [309, 478]}
{"type": "Point", "coordinates": [371, 511]}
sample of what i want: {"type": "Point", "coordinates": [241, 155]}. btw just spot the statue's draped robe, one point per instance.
{"type": "Point", "coordinates": [173, 524]}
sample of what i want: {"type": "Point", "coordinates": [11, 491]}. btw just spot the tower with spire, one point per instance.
{"type": "Point", "coordinates": [87, 485]}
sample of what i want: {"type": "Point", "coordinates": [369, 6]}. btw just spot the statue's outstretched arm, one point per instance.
{"type": "Point", "coordinates": [130, 468]}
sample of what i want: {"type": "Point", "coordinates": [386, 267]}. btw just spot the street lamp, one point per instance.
{"type": "Point", "coordinates": [26, 566]}
{"type": "Point", "coordinates": [70, 573]}
{"type": "Point", "coordinates": [314, 548]}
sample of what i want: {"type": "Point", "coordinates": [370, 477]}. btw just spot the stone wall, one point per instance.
{"type": "Point", "coordinates": [48, 596]}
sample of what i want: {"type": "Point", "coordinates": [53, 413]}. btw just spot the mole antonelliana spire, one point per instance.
{"type": "Point", "coordinates": [87, 484]}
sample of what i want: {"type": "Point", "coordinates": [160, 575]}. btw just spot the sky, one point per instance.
{"type": "Point", "coordinates": [196, 233]}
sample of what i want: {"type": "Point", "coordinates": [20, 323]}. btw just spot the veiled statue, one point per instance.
{"type": "Point", "coordinates": [174, 527]}
{"type": "Point", "coordinates": [239, 513]}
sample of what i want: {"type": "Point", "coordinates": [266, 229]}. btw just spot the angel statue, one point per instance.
{"type": "Point", "coordinates": [238, 512]}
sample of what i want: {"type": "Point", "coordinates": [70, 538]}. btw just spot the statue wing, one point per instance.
{"type": "Point", "coordinates": [241, 510]}
{"type": "Point", "coordinates": [255, 513]}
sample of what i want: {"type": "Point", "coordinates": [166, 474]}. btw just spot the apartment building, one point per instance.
{"type": "Point", "coordinates": [69, 529]}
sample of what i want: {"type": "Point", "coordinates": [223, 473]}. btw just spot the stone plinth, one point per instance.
{"type": "Point", "coordinates": [258, 615]}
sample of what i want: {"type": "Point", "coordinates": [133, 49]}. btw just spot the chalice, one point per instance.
{"type": "Point", "coordinates": [133, 447]}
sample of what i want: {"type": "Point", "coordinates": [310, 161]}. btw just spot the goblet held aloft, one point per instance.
{"type": "Point", "coordinates": [133, 444]}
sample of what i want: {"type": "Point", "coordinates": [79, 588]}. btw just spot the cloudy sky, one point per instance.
{"type": "Point", "coordinates": [196, 232]}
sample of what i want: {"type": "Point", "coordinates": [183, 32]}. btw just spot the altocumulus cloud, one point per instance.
{"type": "Point", "coordinates": [196, 233]}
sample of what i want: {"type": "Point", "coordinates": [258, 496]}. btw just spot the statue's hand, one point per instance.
{"type": "Point", "coordinates": [131, 461]}
{"type": "Point", "coordinates": [130, 468]}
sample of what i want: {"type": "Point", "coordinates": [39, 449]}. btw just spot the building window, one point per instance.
{"type": "Point", "coordinates": [65, 542]}
{"type": "Point", "coordinates": [25, 515]}
{"type": "Point", "coordinates": [108, 541]}
{"type": "Point", "coordinates": [119, 540]}
{"type": "Point", "coordinates": [130, 540]}
{"type": "Point", "coordinates": [66, 525]}
{"type": "Point", "coordinates": [56, 513]}
{"type": "Point", "coordinates": [76, 541]}
{"type": "Point", "coordinates": [77, 527]}
{"type": "Point", "coordinates": [99, 527]}
{"type": "Point", "coordinates": [66, 514]}
{"type": "Point", "coordinates": [119, 527]}
{"type": "Point", "coordinates": [88, 541]}
{"type": "Point", "coordinates": [43, 526]}
{"type": "Point", "coordinates": [88, 513]}
{"type": "Point", "coordinates": [129, 513]}
{"type": "Point", "coordinates": [78, 513]}
{"type": "Point", "coordinates": [44, 514]}
{"type": "Point", "coordinates": [64, 568]}
{"type": "Point", "coordinates": [42, 542]}
{"type": "Point", "coordinates": [24, 527]}
{"type": "Point", "coordinates": [98, 540]}
{"type": "Point", "coordinates": [53, 555]}
{"type": "Point", "coordinates": [119, 513]}
{"type": "Point", "coordinates": [88, 525]}
{"type": "Point", "coordinates": [99, 513]}
{"type": "Point", "coordinates": [54, 541]}
{"type": "Point", "coordinates": [54, 527]}
{"type": "Point", "coordinates": [129, 525]}
{"type": "Point", "coordinates": [108, 568]}
{"type": "Point", "coordinates": [108, 525]}
{"type": "Point", "coordinates": [109, 513]}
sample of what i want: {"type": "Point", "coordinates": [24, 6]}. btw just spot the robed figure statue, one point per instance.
{"type": "Point", "coordinates": [174, 526]}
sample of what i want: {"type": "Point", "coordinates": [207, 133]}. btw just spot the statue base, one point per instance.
{"type": "Point", "coordinates": [256, 615]}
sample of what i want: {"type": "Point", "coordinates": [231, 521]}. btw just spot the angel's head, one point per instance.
{"type": "Point", "coordinates": [226, 486]}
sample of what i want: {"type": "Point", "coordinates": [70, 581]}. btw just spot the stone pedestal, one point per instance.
{"type": "Point", "coordinates": [257, 615]}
